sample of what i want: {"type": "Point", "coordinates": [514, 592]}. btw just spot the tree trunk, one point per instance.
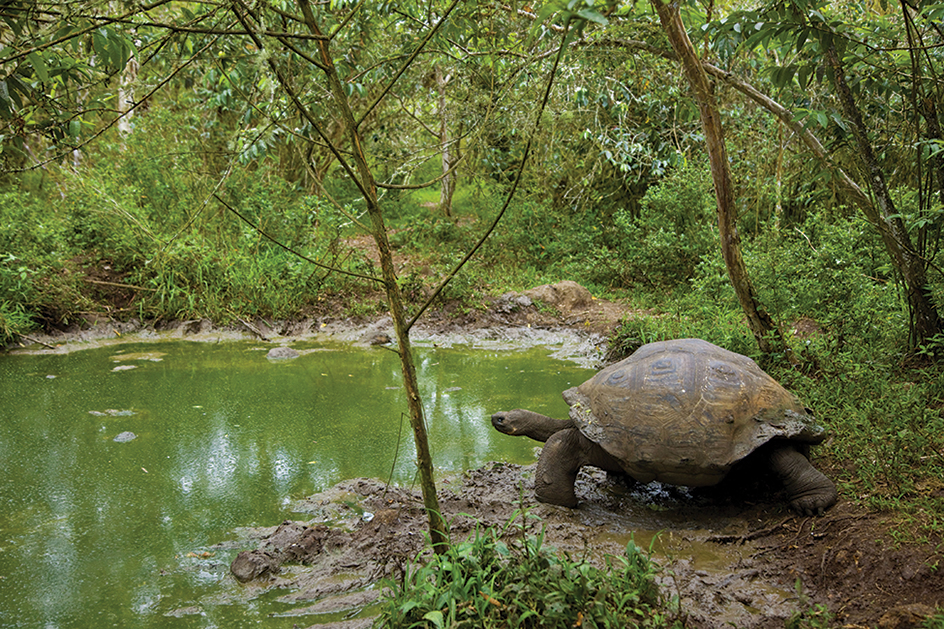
{"type": "Point", "coordinates": [925, 320]}
{"type": "Point", "coordinates": [126, 96]}
{"type": "Point", "coordinates": [424, 461]}
{"type": "Point", "coordinates": [760, 322]}
{"type": "Point", "coordinates": [448, 161]}
{"type": "Point", "coordinates": [930, 115]}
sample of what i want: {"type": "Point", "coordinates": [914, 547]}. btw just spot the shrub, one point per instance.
{"type": "Point", "coordinates": [489, 582]}
{"type": "Point", "coordinates": [663, 245]}
{"type": "Point", "coordinates": [832, 270]}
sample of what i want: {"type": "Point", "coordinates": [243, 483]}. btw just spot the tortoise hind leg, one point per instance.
{"type": "Point", "coordinates": [811, 493]}
{"type": "Point", "coordinates": [564, 453]}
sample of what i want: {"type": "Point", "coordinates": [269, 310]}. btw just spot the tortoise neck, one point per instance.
{"type": "Point", "coordinates": [541, 427]}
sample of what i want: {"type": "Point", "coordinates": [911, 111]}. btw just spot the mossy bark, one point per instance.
{"type": "Point", "coordinates": [768, 335]}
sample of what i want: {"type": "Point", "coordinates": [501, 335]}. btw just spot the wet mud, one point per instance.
{"type": "Point", "coordinates": [729, 562]}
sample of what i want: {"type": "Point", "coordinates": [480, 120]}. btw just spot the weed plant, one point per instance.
{"type": "Point", "coordinates": [508, 578]}
{"type": "Point", "coordinates": [934, 622]}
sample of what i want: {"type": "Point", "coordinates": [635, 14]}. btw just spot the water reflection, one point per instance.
{"type": "Point", "coordinates": [97, 532]}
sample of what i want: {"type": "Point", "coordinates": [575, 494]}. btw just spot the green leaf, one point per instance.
{"type": "Point", "coordinates": [783, 75]}
{"type": "Point", "coordinates": [408, 606]}
{"type": "Point", "coordinates": [804, 35]}
{"type": "Point", "coordinates": [804, 73]}
{"type": "Point", "coordinates": [592, 16]}
{"type": "Point", "coordinates": [434, 617]}
{"type": "Point", "coordinates": [39, 66]}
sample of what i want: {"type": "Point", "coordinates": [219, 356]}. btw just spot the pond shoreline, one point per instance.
{"type": "Point", "coordinates": [845, 560]}
{"type": "Point", "coordinates": [545, 315]}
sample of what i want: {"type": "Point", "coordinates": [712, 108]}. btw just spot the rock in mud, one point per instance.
{"type": "Point", "coordinates": [379, 339]}
{"type": "Point", "coordinates": [905, 616]}
{"type": "Point", "coordinates": [195, 326]}
{"type": "Point", "coordinates": [291, 542]}
{"type": "Point", "coordinates": [282, 353]}
{"type": "Point", "coordinates": [566, 296]}
{"type": "Point", "coordinates": [126, 436]}
{"type": "Point", "coordinates": [252, 564]}
{"type": "Point", "coordinates": [378, 333]}
{"type": "Point", "coordinates": [510, 302]}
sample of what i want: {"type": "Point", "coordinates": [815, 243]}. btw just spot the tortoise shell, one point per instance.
{"type": "Point", "coordinates": [685, 411]}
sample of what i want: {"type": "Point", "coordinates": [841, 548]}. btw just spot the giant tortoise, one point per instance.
{"type": "Point", "coordinates": [682, 412]}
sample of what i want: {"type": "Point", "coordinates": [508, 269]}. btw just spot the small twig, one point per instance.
{"type": "Point", "coordinates": [808, 241]}
{"type": "Point", "coordinates": [740, 539]}
{"type": "Point", "coordinates": [30, 338]}
{"type": "Point", "coordinates": [91, 281]}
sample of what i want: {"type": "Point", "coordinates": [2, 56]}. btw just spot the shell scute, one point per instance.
{"type": "Point", "coordinates": [685, 411]}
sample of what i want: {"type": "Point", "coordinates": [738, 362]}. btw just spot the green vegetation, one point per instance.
{"type": "Point", "coordinates": [508, 578]}
{"type": "Point", "coordinates": [245, 177]}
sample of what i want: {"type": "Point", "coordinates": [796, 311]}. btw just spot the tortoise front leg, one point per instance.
{"type": "Point", "coordinates": [557, 469]}
{"type": "Point", "coordinates": [811, 493]}
{"type": "Point", "coordinates": [564, 453]}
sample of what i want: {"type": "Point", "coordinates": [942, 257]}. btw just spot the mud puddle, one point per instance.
{"type": "Point", "coordinates": [327, 564]}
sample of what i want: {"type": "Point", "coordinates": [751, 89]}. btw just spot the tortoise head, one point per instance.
{"type": "Point", "coordinates": [508, 422]}
{"type": "Point", "coordinates": [528, 423]}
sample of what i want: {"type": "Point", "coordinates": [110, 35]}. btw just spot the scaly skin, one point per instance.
{"type": "Point", "coordinates": [566, 450]}
{"type": "Point", "coordinates": [520, 422]}
{"type": "Point", "coordinates": [562, 457]}
{"type": "Point", "coordinates": [811, 493]}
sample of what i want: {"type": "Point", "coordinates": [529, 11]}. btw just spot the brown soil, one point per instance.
{"type": "Point", "coordinates": [733, 560]}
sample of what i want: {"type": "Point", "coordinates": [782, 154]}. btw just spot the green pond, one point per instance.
{"type": "Point", "coordinates": [102, 533]}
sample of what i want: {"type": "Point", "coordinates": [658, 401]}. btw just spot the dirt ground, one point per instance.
{"type": "Point", "coordinates": [731, 561]}
{"type": "Point", "coordinates": [734, 556]}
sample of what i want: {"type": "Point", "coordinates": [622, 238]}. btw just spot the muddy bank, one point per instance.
{"type": "Point", "coordinates": [565, 315]}
{"type": "Point", "coordinates": [734, 556]}
{"type": "Point", "coordinates": [729, 561]}
{"type": "Point", "coordinates": [361, 530]}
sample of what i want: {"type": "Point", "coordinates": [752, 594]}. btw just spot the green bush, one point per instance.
{"type": "Point", "coordinates": [834, 271]}
{"type": "Point", "coordinates": [489, 582]}
{"type": "Point", "coordinates": [662, 246]}
{"type": "Point", "coordinates": [722, 326]}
